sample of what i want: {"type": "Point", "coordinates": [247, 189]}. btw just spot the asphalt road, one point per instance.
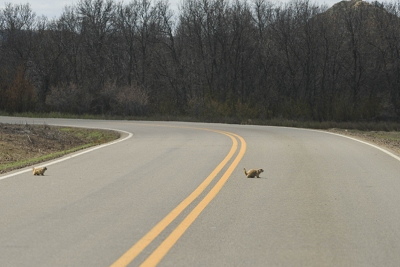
{"type": "Point", "coordinates": [174, 194]}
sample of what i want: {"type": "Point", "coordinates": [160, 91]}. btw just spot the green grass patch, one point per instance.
{"type": "Point", "coordinates": [31, 161]}
{"type": "Point", "coordinates": [25, 145]}
{"type": "Point", "coordinates": [90, 135]}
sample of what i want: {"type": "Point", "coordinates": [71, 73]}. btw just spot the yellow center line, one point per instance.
{"type": "Point", "coordinates": [167, 244]}
{"type": "Point", "coordinates": [137, 248]}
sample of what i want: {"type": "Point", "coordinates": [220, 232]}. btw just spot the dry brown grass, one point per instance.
{"type": "Point", "coordinates": [24, 144]}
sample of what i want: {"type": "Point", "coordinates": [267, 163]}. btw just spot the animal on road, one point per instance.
{"type": "Point", "coordinates": [39, 171]}
{"type": "Point", "coordinates": [253, 173]}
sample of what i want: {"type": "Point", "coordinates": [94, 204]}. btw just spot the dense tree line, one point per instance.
{"type": "Point", "coordinates": [210, 59]}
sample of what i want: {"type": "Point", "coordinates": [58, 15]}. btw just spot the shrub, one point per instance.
{"type": "Point", "coordinates": [69, 98]}
{"type": "Point", "coordinates": [126, 100]}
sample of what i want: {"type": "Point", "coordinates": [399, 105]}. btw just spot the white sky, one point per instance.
{"type": "Point", "coordinates": [53, 9]}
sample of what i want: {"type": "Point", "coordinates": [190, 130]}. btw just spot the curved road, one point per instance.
{"type": "Point", "coordinates": [174, 194]}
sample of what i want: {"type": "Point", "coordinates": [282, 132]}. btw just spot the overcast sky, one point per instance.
{"type": "Point", "coordinates": [53, 9]}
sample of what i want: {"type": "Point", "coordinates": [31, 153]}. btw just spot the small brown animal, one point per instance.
{"type": "Point", "coordinates": [38, 171]}
{"type": "Point", "coordinates": [253, 173]}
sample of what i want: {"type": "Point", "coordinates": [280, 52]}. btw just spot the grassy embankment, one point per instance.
{"type": "Point", "coordinates": [23, 145]}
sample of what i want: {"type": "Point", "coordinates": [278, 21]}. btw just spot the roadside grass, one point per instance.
{"type": "Point", "coordinates": [24, 145]}
{"type": "Point", "coordinates": [92, 137]}
{"type": "Point", "coordinates": [32, 161]}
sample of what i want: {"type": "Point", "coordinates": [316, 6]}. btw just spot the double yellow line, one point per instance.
{"type": "Point", "coordinates": [158, 254]}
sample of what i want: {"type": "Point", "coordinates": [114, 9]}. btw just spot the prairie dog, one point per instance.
{"type": "Point", "coordinates": [38, 171]}
{"type": "Point", "coordinates": [253, 173]}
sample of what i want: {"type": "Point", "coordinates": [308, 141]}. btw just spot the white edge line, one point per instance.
{"type": "Point", "coordinates": [348, 137]}
{"type": "Point", "coordinates": [363, 142]}
{"type": "Point", "coordinates": [66, 157]}
{"type": "Point", "coordinates": [345, 136]}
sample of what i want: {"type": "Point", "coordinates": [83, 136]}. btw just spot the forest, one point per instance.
{"type": "Point", "coordinates": [246, 59]}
